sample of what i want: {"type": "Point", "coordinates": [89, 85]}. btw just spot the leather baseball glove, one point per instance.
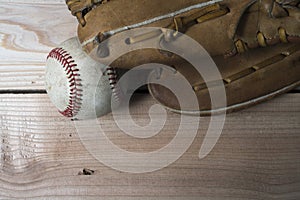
{"type": "Point", "coordinates": [254, 43]}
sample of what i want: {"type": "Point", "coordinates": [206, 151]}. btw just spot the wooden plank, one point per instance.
{"type": "Point", "coordinates": [28, 31]}
{"type": "Point", "coordinates": [257, 156]}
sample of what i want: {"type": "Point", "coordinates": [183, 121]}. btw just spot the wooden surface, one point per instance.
{"type": "Point", "coordinates": [42, 157]}
{"type": "Point", "coordinates": [28, 31]}
{"type": "Point", "coordinates": [257, 156]}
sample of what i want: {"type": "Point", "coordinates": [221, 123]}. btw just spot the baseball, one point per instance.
{"type": "Point", "coordinates": [77, 85]}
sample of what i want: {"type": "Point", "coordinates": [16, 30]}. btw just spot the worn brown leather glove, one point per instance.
{"type": "Point", "coordinates": [79, 8]}
{"type": "Point", "coordinates": [255, 43]}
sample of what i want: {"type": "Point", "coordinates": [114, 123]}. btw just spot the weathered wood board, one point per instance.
{"type": "Point", "coordinates": [257, 156]}
{"type": "Point", "coordinates": [28, 31]}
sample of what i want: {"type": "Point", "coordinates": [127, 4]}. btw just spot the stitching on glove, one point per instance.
{"type": "Point", "coordinates": [259, 66]}
{"type": "Point", "coordinates": [275, 9]}
{"type": "Point", "coordinates": [181, 24]}
{"type": "Point", "coordinates": [150, 21]}
{"type": "Point", "coordinates": [282, 37]}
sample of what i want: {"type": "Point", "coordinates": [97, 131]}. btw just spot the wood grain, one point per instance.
{"type": "Point", "coordinates": [28, 31]}
{"type": "Point", "coordinates": [257, 156]}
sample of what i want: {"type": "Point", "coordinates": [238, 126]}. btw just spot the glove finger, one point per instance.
{"type": "Point", "coordinates": [80, 18]}
{"type": "Point", "coordinates": [248, 78]}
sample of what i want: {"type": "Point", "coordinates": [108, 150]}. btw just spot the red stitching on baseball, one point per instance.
{"type": "Point", "coordinates": [75, 94]}
{"type": "Point", "coordinates": [113, 79]}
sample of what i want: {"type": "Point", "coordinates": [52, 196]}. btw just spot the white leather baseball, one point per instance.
{"type": "Point", "coordinates": [77, 85]}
